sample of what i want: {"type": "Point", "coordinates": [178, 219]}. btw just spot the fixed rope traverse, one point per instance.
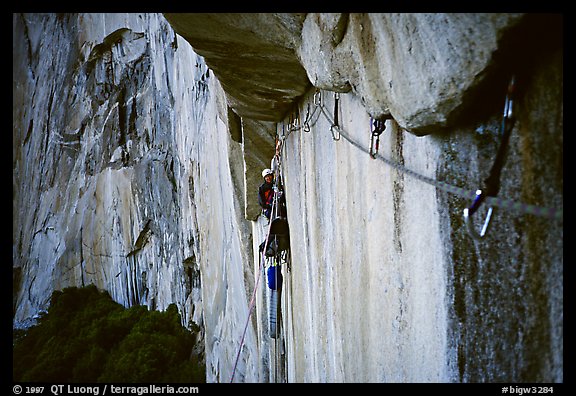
{"type": "Point", "coordinates": [511, 205]}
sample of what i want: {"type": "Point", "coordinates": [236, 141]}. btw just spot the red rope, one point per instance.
{"type": "Point", "coordinates": [252, 301]}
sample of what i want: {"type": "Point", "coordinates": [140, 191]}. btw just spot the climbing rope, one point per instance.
{"type": "Point", "coordinates": [513, 206]}
{"type": "Point", "coordinates": [275, 212]}
{"type": "Point", "coordinates": [252, 302]}
{"type": "Point", "coordinates": [277, 270]}
{"type": "Point", "coordinates": [276, 260]}
{"type": "Point", "coordinates": [377, 128]}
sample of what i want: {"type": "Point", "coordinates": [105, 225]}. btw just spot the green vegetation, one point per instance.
{"type": "Point", "coordinates": [87, 337]}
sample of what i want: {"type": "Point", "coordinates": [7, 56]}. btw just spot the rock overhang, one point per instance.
{"type": "Point", "coordinates": [416, 68]}
{"type": "Point", "coordinates": [428, 72]}
{"type": "Point", "coordinates": [253, 56]}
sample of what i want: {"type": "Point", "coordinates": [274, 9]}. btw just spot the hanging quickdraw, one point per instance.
{"type": "Point", "coordinates": [378, 126]}
{"type": "Point", "coordinates": [317, 98]}
{"type": "Point", "coordinates": [293, 121]}
{"type": "Point", "coordinates": [296, 121]}
{"type": "Point", "coordinates": [307, 119]}
{"type": "Point", "coordinates": [492, 182]}
{"type": "Point", "coordinates": [335, 128]}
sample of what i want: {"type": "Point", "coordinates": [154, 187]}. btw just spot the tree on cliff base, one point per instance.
{"type": "Point", "coordinates": [87, 337]}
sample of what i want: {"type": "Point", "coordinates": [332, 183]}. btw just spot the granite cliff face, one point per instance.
{"type": "Point", "coordinates": [138, 145]}
{"type": "Point", "coordinates": [103, 182]}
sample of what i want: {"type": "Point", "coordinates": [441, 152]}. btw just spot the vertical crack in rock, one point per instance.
{"type": "Point", "coordinates": [398, 188]}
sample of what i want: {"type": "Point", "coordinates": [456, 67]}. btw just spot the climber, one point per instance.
{"type": "Point", "coordinates": [266, 192]}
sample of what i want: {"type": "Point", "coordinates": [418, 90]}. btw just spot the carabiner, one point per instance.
{"type": "Point", "coordinates": [468, 212]}
{"type": "Point", "coordinates": [379, 127]}
{"type": "Point", "coordinates": [336, 124]}
{"type": "Point", "coordinates": [294, 126]}
{"type": "Point", "coordinates": [335, 136]}
{"type": "Point", "coordinates": [306, 126]}
{"type": "Point", "coordinates": [317, 98]}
